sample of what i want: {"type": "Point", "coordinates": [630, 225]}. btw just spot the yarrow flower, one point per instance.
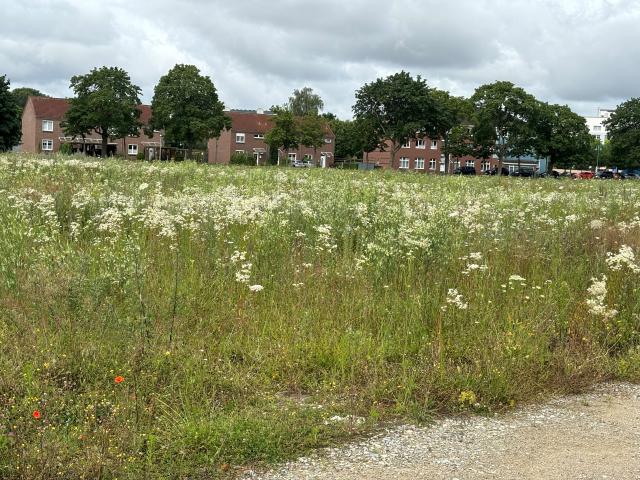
{"type": "Point", "coordinates": [516, 278]}
{"type": "Point", "coordinates": [454, 298]}
{"type": "Point", "coordinates": [256, 288]}
{"type": "Point", "coordinates": [119, 379]}
{"type": "Point", "coordinates": [596, 301]}
{"type": "Point", "coordinates": [625, 257]}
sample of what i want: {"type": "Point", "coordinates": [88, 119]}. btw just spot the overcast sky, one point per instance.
{"type": "Point", "coordinates": [585, 53]}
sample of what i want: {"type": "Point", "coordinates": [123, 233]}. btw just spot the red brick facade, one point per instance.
{"type": "Point", "coordinates": [425, 156]}
{"type": "Point", "coordinates": [247, 136]}
{"type": "Point", "coordinates": [42, 131]}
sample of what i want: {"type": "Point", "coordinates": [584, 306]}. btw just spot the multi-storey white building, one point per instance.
{"type": "Point", "coordinates": [595, 124]}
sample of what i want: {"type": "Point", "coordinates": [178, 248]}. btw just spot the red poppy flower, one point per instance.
{"type": "Point", "coordinates": [36, 414]}
{"type": "Point", "coordinates": [119, 379]}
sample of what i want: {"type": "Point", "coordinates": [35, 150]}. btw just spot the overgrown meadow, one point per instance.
{"type": "Point", "coordinates": [185, 320]}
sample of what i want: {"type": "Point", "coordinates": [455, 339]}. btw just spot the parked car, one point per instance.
{"type": "Point", "coordinates": [523, 172]}
{"type": "Point", "coordinates": [494, 171]}
{"type": "Point", "coordinates": [302, 164]}
{"type": "Point", "coordinates": [585, 175]}
{"type": "Point", "coordinates": [468, 170]}
{"type": "Point", "coordinates": [605, 174]}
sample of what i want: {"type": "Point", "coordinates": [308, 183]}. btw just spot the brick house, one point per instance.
{"type": "Point", "coordinates": [42, 131]}
{"type": "Point", "coordinates": [246, 135]}
{"type": "Point", "coordinates": [424, 155]}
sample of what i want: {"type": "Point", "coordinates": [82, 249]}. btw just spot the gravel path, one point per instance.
{"type": "Point", "coordinates": [590, 436]}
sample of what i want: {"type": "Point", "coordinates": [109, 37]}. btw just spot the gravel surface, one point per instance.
{"type": "Point", "coordinates": [589, 436]}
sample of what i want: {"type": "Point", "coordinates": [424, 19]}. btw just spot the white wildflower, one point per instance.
{"type": "Point", "coordinates": [256, 288]}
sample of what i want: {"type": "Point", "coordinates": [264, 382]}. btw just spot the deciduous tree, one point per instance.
{"type": "Point", "coordinates": [186, 106]}
{"type": "Point", "coordinates": [502, 114]}
{"type": "Point", "coordinates": [624, 134]}
{"type": "Point", "coordinates": [284, 134]}
{"type": "Point", "coordinates": [105, 102]}
{"type": "Point", "coordinates": [21, 94]}
{"type": "Point", "coordinates": [10, 125]}
{"type": "Point", "coordinates": [396, 109]}
{"type": "Point", "coordinates": [305, 102]}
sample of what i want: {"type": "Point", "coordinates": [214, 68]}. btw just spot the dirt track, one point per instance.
{"type": "Point", "coordinates": [590, 436]}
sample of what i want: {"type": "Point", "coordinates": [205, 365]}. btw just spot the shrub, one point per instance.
{"type": "Point", "coordinates": [239, 158]}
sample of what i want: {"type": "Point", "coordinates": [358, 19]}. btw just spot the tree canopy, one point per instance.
{"type": "Point", "coordinates": [186, 106]}
{"type": "Point", "coordinates": [395, 109]}
{"type": "Point", "coordinates": [284, 134]}
{"type": "Point", "coordinates": [561, 135]}
{"type": "Point", "coordinates": [624, 134]}
{"type": "Point", "coordinates": [502, 121]}
{"type": "Point", "coordinates": [21, 94]}
{"type": "Point", "coordinates": [10, 124]}
{"type": "Point", "coordinates": [304, 102]}
{"type": "Point", "coordinates": [105, 102]}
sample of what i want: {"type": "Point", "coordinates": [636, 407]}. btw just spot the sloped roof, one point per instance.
{"type": "Point", "coordinates": [253, 122]}
{"type": "Point", "coordinates": [47, 108]}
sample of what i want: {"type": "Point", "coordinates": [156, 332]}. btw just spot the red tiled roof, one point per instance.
{"type": "Point", "coordinates": [252, 122]}
{"type": "Point", "coordinates": [50, 108]}
{"type": "Point", "coordinates": [54, 109]}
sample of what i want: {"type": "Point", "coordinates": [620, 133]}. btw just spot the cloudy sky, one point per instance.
{"type": "Point", "coordinates": [585, 53]}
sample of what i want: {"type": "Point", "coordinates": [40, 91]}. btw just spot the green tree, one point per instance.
{"type": "Point", "coordinates": [395, 109]}
{"type": "Point", "coordinates": [311, 131]}
{"type": "Point", "coordinates": [562, 136]}
{"type": "Point", "coordinates": [452, 115]}
{"type": "Point", "coordinates": [21, 94]}
{"type": "Point", "coordinates": [285, 133]}
{"type": "Point", "coordinates": [105, 102]}
{"type": "Point", "coordinates": [10, 124]}
{"type": "Point", "coordinates": [304, 102]}
{"type": "Point", "coordinates": [502, 114]}
{"type": "Point", "coordinates": [186, 106]}
{"type": "Point", "coordinates": [623, 127]}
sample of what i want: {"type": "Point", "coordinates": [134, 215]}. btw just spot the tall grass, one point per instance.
{"type": "Point", "coordinates": [254, 314]}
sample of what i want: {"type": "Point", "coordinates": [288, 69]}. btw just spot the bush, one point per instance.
{"type": "Point", "coordinates": [66, 149]}
{"type": "Point", "coordinates": [140, 156]}
{"type": "Point", "coordinates": [239, 158]}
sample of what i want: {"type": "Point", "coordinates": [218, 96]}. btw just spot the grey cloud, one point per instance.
{"type": "Point", "coordinates": [582, 52]}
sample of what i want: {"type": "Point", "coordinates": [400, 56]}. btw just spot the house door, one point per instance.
{"type": "Point", "coordinates": [323, 161]}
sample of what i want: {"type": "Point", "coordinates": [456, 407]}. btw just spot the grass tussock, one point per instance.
{"type": "Point", "coordinates": [182, 320]}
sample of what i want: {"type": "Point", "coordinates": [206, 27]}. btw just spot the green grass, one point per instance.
{"type": "Point", "coordinates": [131, 269]}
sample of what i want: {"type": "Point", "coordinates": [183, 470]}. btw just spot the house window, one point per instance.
{"type": "Point", "coordinates": [132, 149]}
{"type": "Point", "coordinates": [597, 128]}
{"type": "Point", "coordinates": [407, 144]}
{"type": "Point", "coordinates": [47, 125]}
{"type": "Point", "coordinates": [404, 162]}
{"type": "Point", "coordinates": [328, 140]}
{"type": "Point", "coordinates": [47, 145]}
{"type": "Point", "coordinates": [485, 165]}
{"type": "Point", "coordinates": [432, 164]}
{"type": "Point", "coordinates": [240, 151]}
{"type": "Point", "coordinates": [456, 164]}
{"type": "Point", "coordinates": [597, 137]}
{"type": "Point", "coordinates": [292, 157]}
{"type": "Point", "coordinates": [434, 144]}
{"type": "Point", "coordinates": [419, 163]}
{"type": "Point", "coordinates": [471, 163]}
{"type": "Point", "coordinates": [257, 135]}
{"type": "Point", "coordinates": [239, 137]}
{"type": "Point", "coordinates": [308, 156]}
{"type": "Point", "coordinates": [420, 143]}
